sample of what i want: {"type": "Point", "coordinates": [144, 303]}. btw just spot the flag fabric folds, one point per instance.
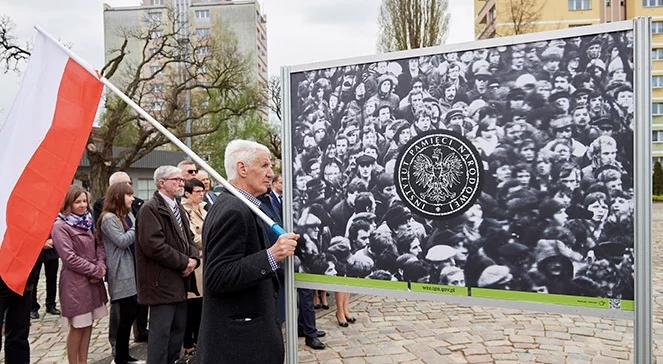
{"type": "Point", "coordinates": [41, 143]}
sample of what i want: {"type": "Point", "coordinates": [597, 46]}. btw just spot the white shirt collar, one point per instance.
{"type": "Point", "coordinates": [170, 201]}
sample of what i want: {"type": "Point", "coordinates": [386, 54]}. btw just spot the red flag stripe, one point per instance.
{"type": "Point", "coordinates": [37, 197]}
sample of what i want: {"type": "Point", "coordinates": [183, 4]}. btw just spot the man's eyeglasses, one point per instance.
{"type": "Point", "coordinates": [192, 171]}
{"type": "Point", "coordinates": [178, 179]}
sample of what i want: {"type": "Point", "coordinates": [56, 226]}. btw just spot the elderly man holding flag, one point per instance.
{"type": "Point", "coordinates": [240, 282]}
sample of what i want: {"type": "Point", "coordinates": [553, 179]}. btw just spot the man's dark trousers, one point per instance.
{"type": "Point", "coordinates": [166, 334]}
{"type": "Point", "coordinates": [306, 318]}
{"type": "Point", "coordinates": [15, 310]}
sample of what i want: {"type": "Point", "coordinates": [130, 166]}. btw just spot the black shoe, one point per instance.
{"type": "Point", "coordinates": [314, 343]}
{"type": "Point", "coordinates": [351, 319]}
{"type": "Point", "coordinates": [141, 338]}
{"type": "Point", "coordinates": [325, 307]}
{"type": "Point", "coordinates": [319, 333]}
{"type": "Point", "coordinates": [34, 315]}
{"type": "Point", "coordinates": [53, 311]}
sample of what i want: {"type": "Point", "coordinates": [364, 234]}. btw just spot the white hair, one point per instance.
{"type": "Point", "coordinates": [241, 150]}
{"type": "Point", "coordinates": [117, 177]}
{"type": "Point", "coordinates": [165, 172]}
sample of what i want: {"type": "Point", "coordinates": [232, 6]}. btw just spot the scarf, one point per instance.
{"type": "Point", "coordinates": [83, 222]}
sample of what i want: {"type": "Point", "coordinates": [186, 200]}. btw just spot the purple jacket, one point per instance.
{"type": "Point", "coordinates": [83, 258]}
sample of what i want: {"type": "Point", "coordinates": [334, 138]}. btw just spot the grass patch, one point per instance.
{"type": "Point", "coordinates": [657, 198]}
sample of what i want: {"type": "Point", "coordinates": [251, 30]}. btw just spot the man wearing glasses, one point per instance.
{"type": "Point", "coordinates": [165, 257]}
{"type": "Point", "coordinates": [189, 169]}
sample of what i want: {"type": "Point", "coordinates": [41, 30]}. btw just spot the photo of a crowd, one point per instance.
{"type": "Point", "coordinates": [553, 122]}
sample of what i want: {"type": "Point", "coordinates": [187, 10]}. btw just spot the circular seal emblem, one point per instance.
{"type": "Point", "coordinates": [439, 174]}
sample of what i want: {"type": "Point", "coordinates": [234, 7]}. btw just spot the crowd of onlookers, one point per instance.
{"type": "Point", "coordinates": [142, 257]}
{"type": "Point", "coordinates": [553, 122]}
{"type": "Point", "coordinates": [98, 245]}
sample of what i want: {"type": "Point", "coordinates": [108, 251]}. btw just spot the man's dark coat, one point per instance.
{"type": "Point", "coordinates": [239, 322]}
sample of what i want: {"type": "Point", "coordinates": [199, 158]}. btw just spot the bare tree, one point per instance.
{"type": "Point", "coordinates": [274, 96]}
{"type": "Point", "coordinates": [409, 24]}
{"type": "Point", "coordinates": [522, 16]}
{"type": "Point", "coordinates": [11, 54]}
{"type": "Point", "coordinates": [168, 68]}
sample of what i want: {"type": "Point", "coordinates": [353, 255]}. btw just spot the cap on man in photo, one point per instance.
{"type": "Point", "coordinates": [516, 93]}
{"type": "Point", "coordinates": [604, 123]}
{"type": "Point", "coordinates": [495, 275]}
{"type": "Point", "coordinates": [561, 122]}
{"type": "Point", "coordinates": [453, 113]}
{"type": "Point", "coordinates": [559, 95]}
{"type": "Point", "coordinates": [365, 159]}
{"type": "Point", "coordinates": [440, 253]}
{"type": "Point", "coordinates": [397, 215]}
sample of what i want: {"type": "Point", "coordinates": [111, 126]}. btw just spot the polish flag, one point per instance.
{"type": "Point", "coordinates": [41, 143]}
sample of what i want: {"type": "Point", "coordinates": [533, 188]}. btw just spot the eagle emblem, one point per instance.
{"type": "Point", "coordinates": [437, 174]}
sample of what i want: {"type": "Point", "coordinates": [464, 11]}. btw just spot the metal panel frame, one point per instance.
{"type": "Point", "coordinates": [286, 174]}
{"type": "Point", "coordinates": [642, 94]}
{"type": "Point", "coordinates": [643, 190]}
{"type": "Point", "coordinates": [467, 46]}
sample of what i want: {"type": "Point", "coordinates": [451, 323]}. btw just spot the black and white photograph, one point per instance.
{"type": "Point", "coordinates": [505, 168]}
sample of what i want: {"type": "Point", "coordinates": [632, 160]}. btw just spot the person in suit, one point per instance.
{"type": "Point", "coordinates": [271, 205]}
{"type": "Point", "coordinates": [165, 258]}
{"type": "Point", "coordinates": [51, 261]}
{"type": "Point", "coordinates": [240, 281]}
{"type": "Point", "coordinates": [276, 194]}
{"type": "Point", "coordinates": [15, 323]}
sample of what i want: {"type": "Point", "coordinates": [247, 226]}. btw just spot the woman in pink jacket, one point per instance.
{"type": "Point", "coordinates": [82, 292]}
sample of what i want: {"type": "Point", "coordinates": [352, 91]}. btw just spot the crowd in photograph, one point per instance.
{"type": "Point", "coordinates": [553, 122]}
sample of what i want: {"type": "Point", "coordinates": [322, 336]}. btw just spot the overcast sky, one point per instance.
{"type": "Point", "coordinates": [298, 31]}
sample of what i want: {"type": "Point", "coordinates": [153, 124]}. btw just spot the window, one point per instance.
{"type": "Point", "coordinates": [202, 51]}
{"type": "Point", "coordinates": [652, 2]}
{"type": "Point", "coordinates": [157, 2]}
{"type": "Point", "coordinates": [154, 51]}
{"type": "Point", "coordinates": [157, 105]}
{"type": "Point", "coordinates": [157, 88]}
{"type": "Point", "coordinates": [657, 54]}
{"type": "Point", "coordinates": [202, 32]}
{"type": "Point", "coordinates": [657, 108]}
{"type": "Point", "coordinates": [580, 4]}
{"type": "Point", "coordinates": [154, 17]}
{"type": "Point", "coordinates": [155, 34]}
{"type": "Point", "coordinates": [145, 188]}
{"type": "Point", "coordinates": [154, 68]}
{"type": "Point", "coordinates": [657, 27]}
{"type": "Point", "coordinates": [202, 14]}
{"type": "Point", "coordinates": [657, 136]}
{"type": "Point", "coordinates": [657, 81]}
{"type": "Point", "coordinates": [493, 14]}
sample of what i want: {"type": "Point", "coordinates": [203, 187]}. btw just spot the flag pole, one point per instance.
{"type": "Point", "coordinates": [273, 225]}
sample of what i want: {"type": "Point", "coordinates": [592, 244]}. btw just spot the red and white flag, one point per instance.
{"type": "Point", "coordinates": [41, 143]}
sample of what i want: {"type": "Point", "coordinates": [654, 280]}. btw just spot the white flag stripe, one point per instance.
{"type": "Point", "coordinates": [29, 119]}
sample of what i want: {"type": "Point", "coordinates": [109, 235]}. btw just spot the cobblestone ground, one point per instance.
{"type": "Point", "coordinates": [390, 330]}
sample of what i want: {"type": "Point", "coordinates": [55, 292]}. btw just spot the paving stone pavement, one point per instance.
{"type": "Point", "coordinates": [391, 330]}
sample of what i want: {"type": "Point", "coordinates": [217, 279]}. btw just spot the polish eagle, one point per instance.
{"type": "Point", "coordinates": [437, 174]}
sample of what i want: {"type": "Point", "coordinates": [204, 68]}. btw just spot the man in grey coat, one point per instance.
{"type": "Point", "coordinates": [165, 258]}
